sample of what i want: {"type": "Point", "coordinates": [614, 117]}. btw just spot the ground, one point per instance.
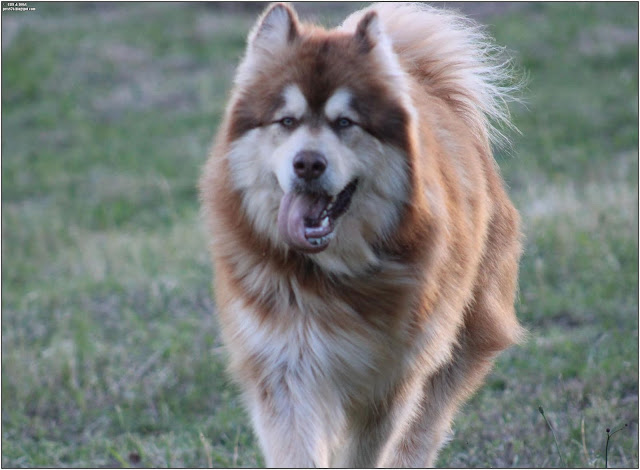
{"type": "Point", "coordinates": [110, 353]}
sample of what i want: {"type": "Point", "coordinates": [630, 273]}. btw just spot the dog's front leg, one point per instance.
{"type": "Point", "coordinates": [293, 423]}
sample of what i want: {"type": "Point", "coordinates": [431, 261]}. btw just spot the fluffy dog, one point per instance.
{"type": "Point", "coordinates": [365, 250]}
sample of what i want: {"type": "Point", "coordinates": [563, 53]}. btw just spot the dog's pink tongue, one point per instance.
{"type": "Point", "coordinates": [294, 209]}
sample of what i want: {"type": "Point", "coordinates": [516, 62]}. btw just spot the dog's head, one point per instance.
{"type": "Point", "coordinates": [319, 130]}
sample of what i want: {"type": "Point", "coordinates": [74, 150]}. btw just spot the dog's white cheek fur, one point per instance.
{"type": "Point", "coordinates": [375, 207]}
{"type": "Point", "coordinates": [251, 173]}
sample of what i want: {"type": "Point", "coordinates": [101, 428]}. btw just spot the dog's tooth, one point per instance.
{"type": "Point", "coordinates": [325, 222]}
{"type": "Point", "coordinates": [319, 241]}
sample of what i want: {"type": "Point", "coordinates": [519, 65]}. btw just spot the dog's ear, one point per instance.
{"type": "Point", "coordinates": [369, 32]}
{"type": "Point", "coordinates": [277, 27]}
{"type": "Point", "coordinates": [371, 38]}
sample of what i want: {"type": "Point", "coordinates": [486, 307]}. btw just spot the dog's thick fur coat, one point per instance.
{"type": "Point", "coordinates": [355, 338]}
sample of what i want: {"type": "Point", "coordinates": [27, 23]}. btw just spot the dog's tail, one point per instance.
{"type": "Point", "coordinates": [455, 60]}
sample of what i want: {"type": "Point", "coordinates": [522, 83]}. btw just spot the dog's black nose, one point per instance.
{"type": "Point", "coordinates": [309, 165]}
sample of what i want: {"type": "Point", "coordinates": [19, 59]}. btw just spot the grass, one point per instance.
{"type": "Point", "coordinates": [110, 353]}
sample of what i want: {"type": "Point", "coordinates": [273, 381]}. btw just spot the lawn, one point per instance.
{"type": "Point", "coordinates": [110, 352]}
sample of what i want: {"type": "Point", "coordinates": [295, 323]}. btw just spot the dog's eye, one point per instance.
{"type": "Point", "coordinates": [343, 123]}
{"type": "Point", "coordinates": [288, 122]}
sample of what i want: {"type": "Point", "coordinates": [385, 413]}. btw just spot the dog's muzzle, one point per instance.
{"type": "Point", "coordinates": [308, 214]}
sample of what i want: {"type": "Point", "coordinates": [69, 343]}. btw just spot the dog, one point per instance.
{"type": "Point", "coordinates": [365, 250]}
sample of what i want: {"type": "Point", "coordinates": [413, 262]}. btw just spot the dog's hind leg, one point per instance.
{"type": "Point", "coordinates": [296, 427]}
{"type": "Point", "coordinates": [363, 442]}
{"type": "Point", "coordinates": [374, 425]}
{"type": "Point", "coordinates": [490, 326]}
{"type": "Point", "coordinates": [443, 393]}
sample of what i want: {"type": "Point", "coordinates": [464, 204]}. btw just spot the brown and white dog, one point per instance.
{"type": "Point", "coordinates": [365, 250]}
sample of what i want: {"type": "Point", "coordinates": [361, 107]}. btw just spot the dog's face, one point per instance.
{"type": "Point", "coordinates": [320, 128]}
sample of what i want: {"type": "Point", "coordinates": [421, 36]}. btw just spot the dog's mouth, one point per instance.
{"type": "Point", "coordinates": [306, 220]}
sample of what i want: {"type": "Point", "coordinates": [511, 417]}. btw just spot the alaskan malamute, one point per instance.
{"type": "Point", "coordinates": [365, 250]}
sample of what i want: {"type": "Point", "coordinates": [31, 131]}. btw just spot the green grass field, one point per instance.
{"type": "Point", "coordinates": [110, 353]}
